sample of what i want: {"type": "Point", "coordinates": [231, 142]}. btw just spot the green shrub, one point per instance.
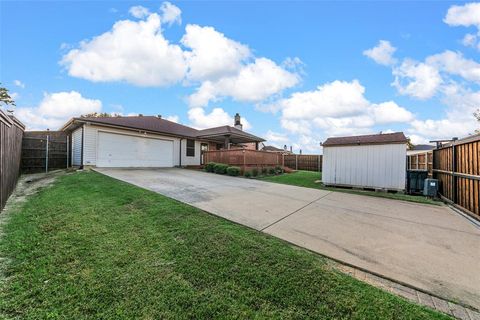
{"type": "Point", "coordinates": [279, 169]}
{"type": "Point", "coordinates": [209, 167]}
{"type": "Point", "coordinates": [233, 171]}
{"type": "Point", "coordinates": [264, 170]}
{"type": "Point", "coordinates": [220, 168]}
{"type": "Point", "coordinates": [255, 172]}
{"type": "Point", "coordinates": [247, 174]}
{"type": "Point", "coordinates": [271, 171]}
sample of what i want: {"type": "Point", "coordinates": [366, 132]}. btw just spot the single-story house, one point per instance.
{"type": "Point", "coordinates": [275, 149]}
{"type": "Point", "coordinates": [375, 161]}
{"type": "Point", "coordinates": [148, 141]}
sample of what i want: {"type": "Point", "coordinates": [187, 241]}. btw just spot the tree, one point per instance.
{"type": "Point", "coordinates": [409, 144]}
{"type": "Point", "coordinates": [99, 114]}
{"type": "Point", "coordinates": [5, 97]}
{"type": "Point", "coordinates": [477, 116]}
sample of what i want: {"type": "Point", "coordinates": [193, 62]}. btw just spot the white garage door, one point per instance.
{"type": "Point", "coordinates": [117, 150]}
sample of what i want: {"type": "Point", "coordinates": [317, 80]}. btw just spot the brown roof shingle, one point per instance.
{"type": "Point", "coordinates": [157, 124]}
{"type": "Point", "coordinates": [386, 138]}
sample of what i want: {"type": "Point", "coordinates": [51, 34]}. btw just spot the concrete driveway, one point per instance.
{"type": "Point", "coordinates": [428, 247]}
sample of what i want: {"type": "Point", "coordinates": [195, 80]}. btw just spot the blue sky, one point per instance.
{"type": "Point", "coordinates": [297, 72]}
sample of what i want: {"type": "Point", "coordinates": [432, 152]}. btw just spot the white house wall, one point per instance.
{"type": "Point", "coordinates": [77, 147]}
{"type": "Point", "coordinates": [371, 166]}
{"type": "Point", "coordinates": [190, 161]}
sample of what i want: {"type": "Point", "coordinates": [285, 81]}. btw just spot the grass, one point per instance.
{"type": "Point", "coordinates": [307, 179]}
{"type": "Point", "coordinates": [91, 247]}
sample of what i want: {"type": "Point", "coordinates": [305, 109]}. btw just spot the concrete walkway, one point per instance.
{"type": "Point", "coordinates": [428, 247]}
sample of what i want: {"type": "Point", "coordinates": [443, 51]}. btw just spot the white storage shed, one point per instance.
{"type": "Point", "coordinates": [371, 161]}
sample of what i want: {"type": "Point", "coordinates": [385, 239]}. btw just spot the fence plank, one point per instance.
{"type": "Point", "coordinates": [457, 167]}
{"type": "Point", "coordinates": [11, 132]}
{"type": "Point", "coordinates": [309, 162]}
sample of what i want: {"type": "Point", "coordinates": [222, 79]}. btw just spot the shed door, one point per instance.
{"type": "Point", "coordinates": [117, 150]}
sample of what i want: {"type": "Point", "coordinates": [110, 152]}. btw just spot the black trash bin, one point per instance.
{"type": "Point", "coordinates": [415, 181]}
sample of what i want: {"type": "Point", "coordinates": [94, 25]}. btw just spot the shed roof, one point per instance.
{"type": "Point", "coordinates": [384, 138]}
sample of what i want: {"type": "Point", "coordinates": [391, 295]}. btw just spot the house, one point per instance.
{"type": "Point", "coordinates": [275, 149]}
{"type": "Point", "coordinates": [147, 141]}
{"type": "Point", "coordinates": [420, 148]}
{"type": "Point", "coordinates": [375, 161]}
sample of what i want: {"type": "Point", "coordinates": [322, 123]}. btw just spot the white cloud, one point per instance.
{"type": "Point", "coordinates": [19, 83]}
{"type": "Point", "coordinates": [454, 63]}
{"type": "Point", "coordinates": [416, 79]}
{"type": "Point", "coordinates": [15, 95]}
{"type": "Point", "coordinates": [469, 40]}
{"type": "Point", "coordinates": [212, 55]}
{"type": "Point", "coordinates": [465, 15]}
{"type": "Point", "coordinates": [133, 51]}
{"type": "Point", "coordinates": [338, 98]}
{"type": "Point", "coordinates": [382, 53]}
{"type": "Point", "coordinates": [173, 118]}
{"type": "Point", "coordinates": [170, 13]}
{"type": "Point", "coordinates": [255, 82]}
{"type": "Point", "coordinates": [55, 109]}
{"type": "Point", "coordinates": [216, 118]}
{"type": "Point", "coordinates": [139, 12]}
{"type": "Point", "coordinates": [458, 120]}
{"type": "Point", "coordinates": [337, 108]}
{"type": "Point", "coordinates": [390, 112]}
{"type": "Point", "coordinates": [296, 126]}
{"type": "Point", "coordinates": [276, 138]}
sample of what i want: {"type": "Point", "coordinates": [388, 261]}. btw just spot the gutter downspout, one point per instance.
{"type": "Point", "coordinates": [180, 154]}
{"type": "Point", "coordinates": [83, 140]}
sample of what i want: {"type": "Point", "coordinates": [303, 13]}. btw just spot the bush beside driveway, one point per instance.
{"type": "Point", "coordinates": [93, 247]}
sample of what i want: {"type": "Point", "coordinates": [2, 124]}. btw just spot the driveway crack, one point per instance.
{"type": "Point", "coordinates": [291, 213]}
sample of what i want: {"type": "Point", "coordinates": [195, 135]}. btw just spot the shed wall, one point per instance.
{"type": "Point", "coordinates": [369, 166]}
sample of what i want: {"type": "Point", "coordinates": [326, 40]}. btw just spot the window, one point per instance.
{"type": "Point", "coordinates": [190, 148]}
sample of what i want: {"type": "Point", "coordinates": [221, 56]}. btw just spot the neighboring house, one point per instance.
{"type": "Point", "coordinates": [147, 141]}
{"type": "Point", "coordinates": [420, 148]}
{"type": "Point", "coordinates": [371, 161]}
{"type": "Point", "coordinates": [275, 149]}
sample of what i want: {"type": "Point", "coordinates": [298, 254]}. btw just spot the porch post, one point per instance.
{"type": "Point", "coordinates": [227, 142]}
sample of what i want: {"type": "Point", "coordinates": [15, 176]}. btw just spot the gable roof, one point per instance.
{"type": "Point", "coordinates": [225, 130]}
{"type": "Point", "coordinates": [159, 125]}
{"type": "Point", "coordinates": [386, 138]}
{"type": "Point", "coordinates": [272, 148]}
{"type": "Point", "coordinates": [422, 147]}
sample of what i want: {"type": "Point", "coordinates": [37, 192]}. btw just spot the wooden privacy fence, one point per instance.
{"type": "Point", "coordinates": [11, 132]}
{"type": "Point", "coordinates": [303, 162]}
{"type": "Point", "coordinates": [457, 167]}
{"type": "Point", "coordinates": [243, 158]}
{"type": "Point", "coordinates": [421, 161]}
{"type": "Point", "coordinates": [44, 151]}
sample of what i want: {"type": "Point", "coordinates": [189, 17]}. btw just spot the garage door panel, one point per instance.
{"type": "Point", "coordinates": [117, 150]}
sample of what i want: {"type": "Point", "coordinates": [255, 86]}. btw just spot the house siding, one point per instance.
{"type": "Point", "coordinates": [190, 161]}
{"type": "Point", "coordinates": [77, 147]}
{"type": "Point", "coordinates": [371, 166]}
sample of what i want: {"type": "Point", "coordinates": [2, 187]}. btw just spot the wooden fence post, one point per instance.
{"type": "Point", "coordinates": [454, 178]}
{"type": "Point", "coordinates": [296, 162]}
{"type": "Point", "coordinates": [244, 160]}
{"type": "Point", "coordinates": [46, 155]}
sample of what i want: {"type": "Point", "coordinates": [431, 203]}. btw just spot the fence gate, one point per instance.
{"type": "Point", "coordinates": [457, 167]}
{"type": "Point", "coordinates": [44, 151]}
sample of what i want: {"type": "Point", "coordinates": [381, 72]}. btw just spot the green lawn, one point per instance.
{"type": "Point", "coordinates": [308, 178]}
{"type": "Point", "coordinates": [92, 247]}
